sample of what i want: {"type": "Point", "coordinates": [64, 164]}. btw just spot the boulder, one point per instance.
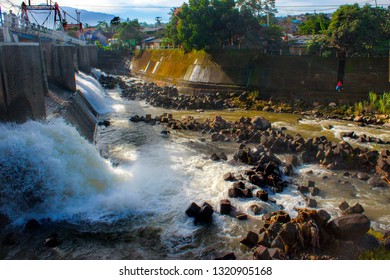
{"type": "Point", "coordinates": [214, 157]}
{"type": "Point", "coordinates": [239, 184]}
{"type": "Point", "coordinates": [310, 202]}
{"type": "Point", "coordinates": [277, 243]}
{"type": "Point", "coordinates": [261, 253]}
{"type": "Point", "coordinates": [250, 240]}
{"type": "Point", "coordinates": [363, 176]}
{"type": "Point", "coordinates": [357, 208]}
{"type": "Point", "coordinates": [260, 123]}
{"type": "Point", "coordinates": [223, 156]}
{"type": "Point", "coordinates": [264, 239]}
{"type": "Point", "coordinates": [343, 206]}
{"type": "Point", "coordinates": [205, 214]}
{"type": "Point", "coordinates": [241, 216]}
{"type": "Point", "coordinates": [193, 210]}
{"type": "Point", "coordinates": [263, 195]}
{"type": "Point", "coordinates": [256, 209]}
{"type": "Point", "coordinates": [228, 177]}
{"type": "Point", "coordinates": [288, 233]}
{"type": "Point", "coordinates": [314, 191]}
{"type": "Point", "coordinates": [226, 207]}
{"type": "Point", "coordinates": [349, 227]}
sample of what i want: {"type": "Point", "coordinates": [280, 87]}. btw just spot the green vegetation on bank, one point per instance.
{"type": "Point", "coordinates": [213, 24]}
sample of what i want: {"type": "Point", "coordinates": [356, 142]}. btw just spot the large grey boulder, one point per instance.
{"type": "Point", "coordinates": [349, 227]}
{"type": "Point", "coordinates": [260, 123]}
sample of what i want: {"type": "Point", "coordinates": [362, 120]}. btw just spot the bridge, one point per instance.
{"type": "Point", "coordinates": [14, 29]}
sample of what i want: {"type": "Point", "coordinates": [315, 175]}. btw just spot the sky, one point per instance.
{"type": "Point", "coordinates": [148, 10]}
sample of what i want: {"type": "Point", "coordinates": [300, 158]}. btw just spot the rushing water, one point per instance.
{"type": "Point", "coordinates": [126, 196]}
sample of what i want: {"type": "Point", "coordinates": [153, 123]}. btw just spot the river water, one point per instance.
{"type": "Point", "coordinates": [125, 196]}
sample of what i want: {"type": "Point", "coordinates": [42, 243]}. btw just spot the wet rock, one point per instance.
{"type": "Point", "coordinates": [226, 207]}
{"type": "Point", "coordinates": [281, 217]}
{"type": "Point", "coordinates": [241, 216]}
{"type": "Point", "coordinates": [250, 240]}
{"type": "Point", "coordinates": [363, 176]}
{"type": "Point", "coordinates": [229, 256]}
{"type": "Point", "coordinates": [264, 239]}
{"type": "Point", "coordinates": [205, 214]}
{"type": "Point", "coordinates": [303, 189]}
{"type": "Point", "coordinates": [261, 253]}
{"type": "Point", "coordinates": [229, 177]}
{"type": "Point", "coordinates": [288, 233]}
{"type": "Point", "coordinates": [193, 210]}
{"type": "Point", "coordinates": [277, 243]}
{"type": "Point", "coordinates": [368, 242]}
{"type": "Point", "coordinates": [311, 184]}
{"type": "Point", "coordinates": [223, 156]}
{"type": "Point", "coordinates": [263, 195]}
{"type": "Point", "coordinates": [357, 208]}
{"type": "Point", "coordinates": [214, 157]}
{"type": "Point", "coordinates": [314, 191]}
{"type": "Point", "coordinates": [343, 206]}
{"type": "Point", "coordinates": [32, 225]}
{"type": "Point", "coordinates": [310, 202]}
{"type": "Point", "coordinates": [53, 240]}
{"type": "Point", "coordinates": [260, 123]}
{"type": "Point", "coordinates": [239, 184]}
{"type": "Point", "coordinates": [255, 209]}
{"type": "Point", "coordinates": [349, 227]}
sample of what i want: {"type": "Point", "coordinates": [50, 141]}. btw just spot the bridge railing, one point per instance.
{"type": "Point", "coordinates": [20, 25]}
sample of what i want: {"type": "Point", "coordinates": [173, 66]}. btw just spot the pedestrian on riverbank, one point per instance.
{"type": "Point", "coordinates": [339, 86]}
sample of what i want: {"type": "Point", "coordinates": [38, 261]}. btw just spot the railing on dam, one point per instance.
{"type": "Point", "coordinates": [26, 30]}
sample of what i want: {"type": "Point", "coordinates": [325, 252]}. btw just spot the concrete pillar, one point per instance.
{"type": "Point", "coordinates": [22, 82]}
{"type": "Point", "coordinates": [86, 58]}
{"type": "Point", "coordinates": [83, 59]}
{"type": "Point", "coordinates": [63, 72]}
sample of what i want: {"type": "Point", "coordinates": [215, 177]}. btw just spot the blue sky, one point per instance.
{"type": "Point", "coordinates": [148, 10]}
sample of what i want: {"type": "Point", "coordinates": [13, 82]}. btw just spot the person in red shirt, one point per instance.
{"type": "Point", "coordinates": [339, 86]}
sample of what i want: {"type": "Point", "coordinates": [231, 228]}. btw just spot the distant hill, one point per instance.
{"type": "Point", "coordinates": [87, 17]}
{"type": "Point", "coordinates": [92, 18]}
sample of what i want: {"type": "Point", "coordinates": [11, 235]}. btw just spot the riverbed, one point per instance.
{"type": "Point", "coordinates": [125, 196]}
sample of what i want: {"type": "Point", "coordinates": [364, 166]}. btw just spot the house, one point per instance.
{"type": "Point", "coordinates": [298, 44]}
{"type": "Point", "coordinates": [151, 43]}
{"type": "Point", "coordinates": [96, 35]}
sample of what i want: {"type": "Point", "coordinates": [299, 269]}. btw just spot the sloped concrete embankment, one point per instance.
{"type": "Point", "coordinates": [310, 78]}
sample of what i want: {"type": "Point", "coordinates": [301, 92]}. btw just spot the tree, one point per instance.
{"type": "Point", "coordinates": [258, 8]}
{"type": "Point", "coordinates": [129, 33]}
{"type": "Point", "coordinates": [357, 30]}
{"type": "Point", "coordinates": [314, 24]}
{"type": "Point", "coordinates": [103, 26]}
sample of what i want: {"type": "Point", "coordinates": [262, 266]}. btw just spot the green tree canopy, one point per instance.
{"type": "Point", "coordinates": [129, 32]}
{"type": "Point", "coordinates": [314, 24]}
{"type": "Point", "coordinates": [203, 24]}
{"type": "Point", "coordinates": [356, 30]}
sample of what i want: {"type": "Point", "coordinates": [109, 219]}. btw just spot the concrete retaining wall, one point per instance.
{"type": "Point", "coordinates": [23, 82]}
{"type": "Point", "coordinates": [305, 77]}
{"type": "Point", "coordinates": [86, 58]}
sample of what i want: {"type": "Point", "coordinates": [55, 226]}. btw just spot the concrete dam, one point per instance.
{"type": "Point", "coordinates": [33, 74]}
